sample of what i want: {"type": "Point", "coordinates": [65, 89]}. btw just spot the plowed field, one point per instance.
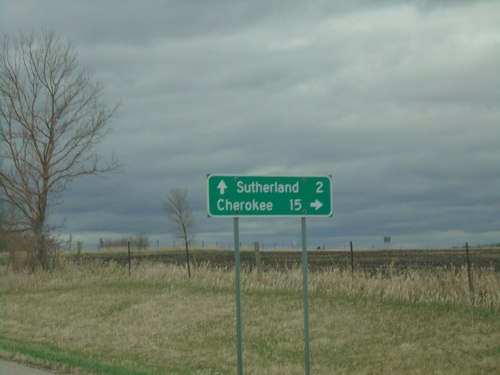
{"type": "Point", "coordinates": [367, 260]}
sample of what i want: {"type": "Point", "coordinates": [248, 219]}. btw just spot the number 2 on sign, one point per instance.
{"type": "Point", "coordinates": [319, 188]}
{"type": "Point", "coordinates": [295, 205]}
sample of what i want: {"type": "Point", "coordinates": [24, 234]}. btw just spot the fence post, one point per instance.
{"type": "Point", "coordinates": [352, 259]}
{"type": "Point", "coordinates": [128, 245]}
{"type": "Point", "coordinates": [79, 253]}
{"type": "Point", "coordinates": [257, 258]}
{"type": "Point", "coordinates": [471, 288]}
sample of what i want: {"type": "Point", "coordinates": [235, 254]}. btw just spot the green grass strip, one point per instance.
{"type": "Point", "coordinates": [52, 354]}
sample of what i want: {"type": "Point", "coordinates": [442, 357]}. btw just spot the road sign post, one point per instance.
{"type": "Point", "coordinates": [243, 195]}
{"type": "Point", "coordinates": [306, 297]}
{"type": "Point", "coordinates": [239, 336]}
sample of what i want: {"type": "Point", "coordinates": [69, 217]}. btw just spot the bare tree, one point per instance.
{"type": "Point", "coordinates": [52, 117]}
{"type": "Point", "coordinates": [3, 216]}
{"type": "Point", "coordinates": [181, 217]}
{"type": "Point", "coordinates": [2, 211]}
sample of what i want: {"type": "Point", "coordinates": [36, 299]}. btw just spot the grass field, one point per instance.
{"type": "Point", "coordinates": [99, 319]}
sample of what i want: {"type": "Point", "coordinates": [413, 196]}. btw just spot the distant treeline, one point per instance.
{"type": "Point", "coordinates": [139, 241]}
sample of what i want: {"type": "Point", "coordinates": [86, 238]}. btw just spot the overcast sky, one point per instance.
{"type": "Point", "coordinates": [398, 101]}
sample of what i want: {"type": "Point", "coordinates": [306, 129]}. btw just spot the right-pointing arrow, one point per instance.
{"type": "Point", "coordinates": [316, 204]}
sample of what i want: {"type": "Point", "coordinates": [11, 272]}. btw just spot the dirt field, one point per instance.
{"type": "Point", "coordinates": [367, 260]}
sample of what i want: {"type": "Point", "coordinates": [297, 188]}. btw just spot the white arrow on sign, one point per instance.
{"type": "Point", "coordinates": [222, 187]}
{"type": "Point", "coordinates": [316, 204]}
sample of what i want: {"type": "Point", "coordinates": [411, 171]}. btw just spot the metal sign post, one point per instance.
{"type": "Point", "coordinates": [238, 295]}
{"type": "Point", "coordinates": [306, 298]}
{"type": "Point", "coordinates": [235, 196]}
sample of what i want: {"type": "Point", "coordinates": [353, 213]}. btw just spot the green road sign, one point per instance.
{"type": "Point", "coordinates": [241, 195]}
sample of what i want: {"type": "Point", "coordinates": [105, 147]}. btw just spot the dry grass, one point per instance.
{"type": "Point", "coordinates": [443, 287]}
{"type": "Point", "coordinates": [101, 320]}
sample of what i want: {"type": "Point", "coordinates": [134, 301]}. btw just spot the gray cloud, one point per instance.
{"type": "Point", "coordinates": [398, 101]}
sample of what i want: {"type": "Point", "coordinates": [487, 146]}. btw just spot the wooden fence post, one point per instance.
{"type": "Point", "coordinates": [129, 260]}
{"type": "Point", "coordinates": [257, 258]}
{"type": "Point", "coordinates": [352, 259]}
{"type": "Point", "coordinates": [79, 253]}
{"type": "Point", "coordinates": [471, 288]}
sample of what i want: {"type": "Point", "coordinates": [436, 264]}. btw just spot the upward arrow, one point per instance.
{"type": "Point", "coordinates": [222, 187]}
